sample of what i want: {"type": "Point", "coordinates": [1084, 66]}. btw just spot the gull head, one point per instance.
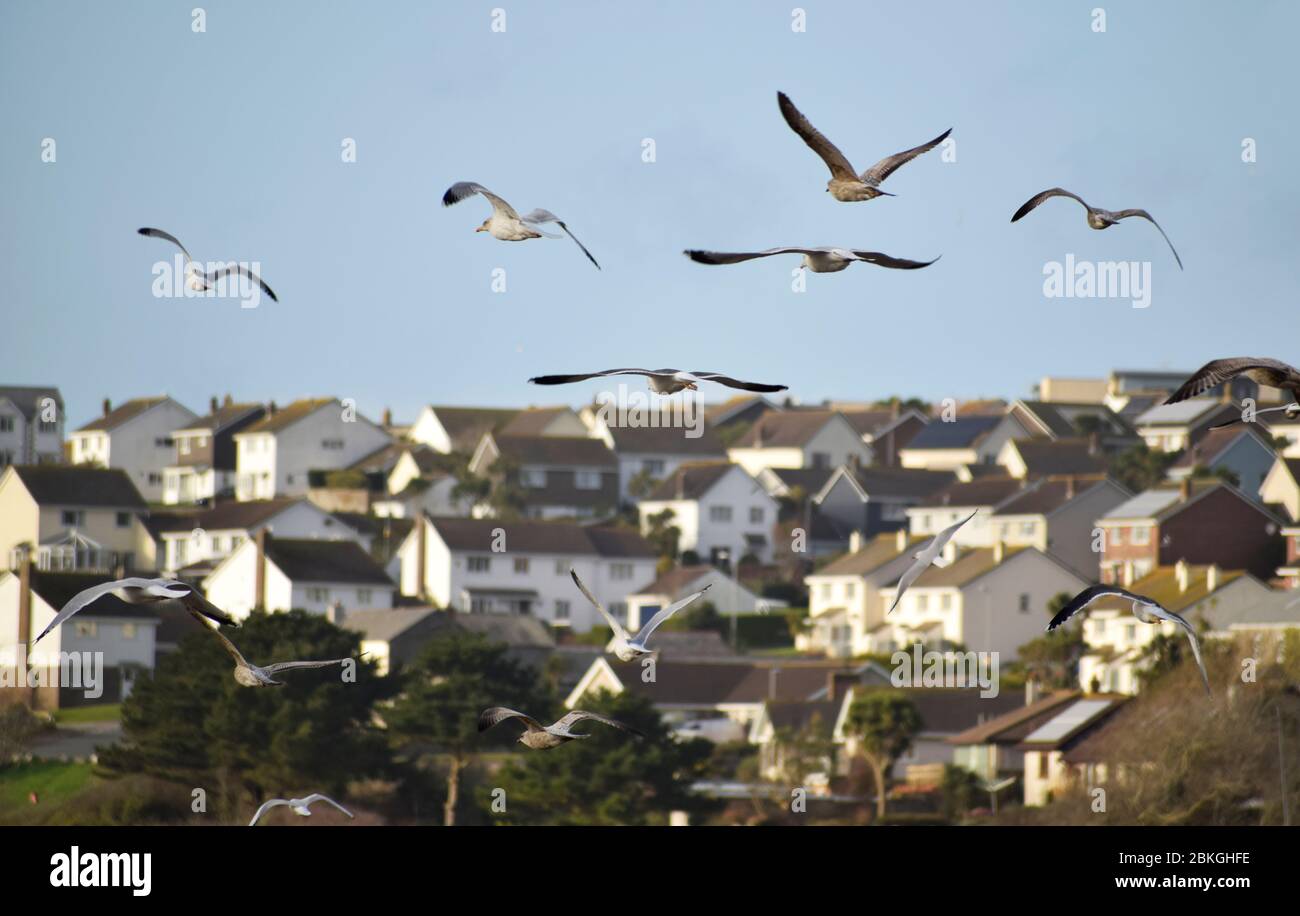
{"type": "Point", "coordinates": [302, 810]}
{"type": "Point", "coordinates": [626, 652]}
{"type": "Point", "coordinates": [484, 227]}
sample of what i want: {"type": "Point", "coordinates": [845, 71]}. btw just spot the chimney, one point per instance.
{"type": "Point", "coordinates": [855, 541]}
{"type": "Point", "coordinates": [421, 523]}
{"type": "Point", "coordinates": [1032, 691]}
{"type": "Point", "coordinates": [271, 409]}
{"type": "Point", "coordinates": [388, 416]}
{"type": "Point", "coordinates": [895, 409]}
{"type": "Point", "coordinates": [108, 407]}
{"type": "Point", "coordinates": [1128, 574]}
{"type": "Point", "coordinates": [999, 551]}
{"type": "Point", "coordinates": [839, 683]}
{"type": "Point", "coordinates": [335, 613]}
{"type": "Point", "coordinates": [1185, 489]}
{"type": "Point", "coordinates": [1181, 574]}
{"type": "Point", "coordinates": [1212, 578]}
{"type": "Point", "coordinates": [900, 539]}
{"type": "Point", "coordinates": [1225, 395]}
{"type": "Point", "coordinates": [25, 599]}
{"type": "Point", "coordinates": [228, 400]}
{"type": "Point", "coordinates": [259, 573]}
{"type": "Point", "coordinates": [212, 404]}
{"type": "Point", "coordinates": [771, 682]}
{"type": "Point", "coordinates": [1069, 486]}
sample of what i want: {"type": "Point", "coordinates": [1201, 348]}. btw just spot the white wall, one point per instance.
{"type": "Point", "coordinates": [276, 464]}
{"type": "Point", "coordinates": [134, 446]}
{"type": "Point", "coordinates": [703, 533]}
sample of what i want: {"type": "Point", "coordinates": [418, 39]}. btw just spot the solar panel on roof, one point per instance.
{"type": "Point", "coordinates": [1068, 720]}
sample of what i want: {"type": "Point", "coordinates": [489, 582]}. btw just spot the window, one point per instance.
{"type": "Point", "coordinates": [6, 459]}
{"type": "Point", "coordinates": [1099, 627]}
{"type": "Point", "coordinates": [332, 445]}
{"type": "Point", "coordinates": [319, 595]}
{"type": "Point", "coordinates": [521, 565]}
{"type": "Point", "coordinates": [821, 460]}
{"type": "Point", "coordinates": [922, 602]}
{"type": "Point", "coordinates": [945, 602]}
{"type": "Point", "coordinates": [6, 424]}
{"type": "Point", "coordinates": [532, 477]}
{"type": "Point", "coordinates": [478, 564]}
{"type": "Point", "coordinates": [128, 631]}
{"type": "Point", "coordinates": [73, 517]}
{"type": "Point", "coordinates": [850, 589]}
{"type": "Point", "coordinates": [87, 628]}
{"type": "Point", "coordinates": [154, 478]}
{"type": "Point", "coordinates": [164, 442]}
{"type": "Point", "coordinates": [49, 426]}
{"type": "Point", "coordinates": [719, 513]}
{"type": "Point", "coordinates": [1141, 535]}
{"type": "Point", "coordinates": [619, 610]}
{"type": "Point", "coordinates": [364, 596]}
{"type": "Point", "coordinates": [185, 445]}
{"type": "Point", "coordinates": [653, 466]}
{"type": "Point", "coordinates": [203, 442]}
{"type": "Point", "coordinates": [1130, 632]}
{"type": "Point", "coordinates": [561, 610]}
{"type": "Point", "coordinates": [586, 480]}
{"type": "Point", "coordinates": [1027, 529]}
{"type": "Point", "coordinates": [124, 519]}
{"type": "Point", "coordinates": [756, 515]}
{"type": "Point", "coordinates": [1042, 765]}
{"type": "Point", "coordinates": [1116, 537]}
{"type": "Point", "coordinates": [619, 571]}
{"type": "Point", "coordinates": [1024, 603]}
{"type": "Point", "coordinates": [562, 567]}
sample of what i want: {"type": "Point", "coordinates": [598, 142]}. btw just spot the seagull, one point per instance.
{"type": "Point", "coordinates": [1097, 217]}
{"type": "Point", "coordinates": [543, 737]}
{"type": "Point", "coordinates": [818, 260]}
{"type": "Point", "coordinates": [662, 381]}
{"type": "Point", "coordinates": [299, 806]}
{"type": "Point", "coordinates": [845, 185]}
{"type": "Point", "coordinates": [250, 675]}
{"type": "Point", "coordinates": [195, 277]}
{"type": "Point", "coordinates": [1259, 369]}
{"type": "Point", "coordinates": [505, 223]}
{"type": "Point", "coordinates": [1144, 609]}
{"type": "Point", "coordinates": [925, 556]}
{"type": "Point", "coordinates": [142, 591]}
{"type": "Point", "coordinates": [627, 647]}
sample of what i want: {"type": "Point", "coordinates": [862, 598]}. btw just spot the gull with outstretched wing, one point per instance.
{"type": "Point", "coordinates": [924, 557]}
{"type": "Point", "coordinates": [1097, 217]}
{"type": "Point", "coordinates": [299, 806]}
{"type": "Point", "coordinates": [249, 675]}
{"type": "Point", "coordinates": [662, 381]}
{"type": "Point", "coordinates": [1261, 370]}
{"type": "Point", "coordinates": [134, 590]}
{"type": "Point", "coordinates": [199, 279]}
{"type": "Point", "coordinates": [818, 260]}
{"type": "Point", "coordinates": [541, 737]}
{"type": "Point", "coordinates": [625, 646]}
{"type": "Point", "coordinates": [505, 223]}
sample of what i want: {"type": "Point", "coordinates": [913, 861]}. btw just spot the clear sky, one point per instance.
{"type": "Point", "coordinates": [231, 139]}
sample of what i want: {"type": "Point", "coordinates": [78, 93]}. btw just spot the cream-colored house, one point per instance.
{"type": "Point", "coordinates": [800, 439]}
{"type": "Point", "coordinates": [844, 604]}
{"type": "Point", "coordinates": [1281, 486]}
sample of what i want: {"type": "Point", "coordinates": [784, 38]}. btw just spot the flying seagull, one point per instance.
{"type": "Point", "coordinates": [925, 556]}
{"type": "Point", "coordinates": [1144, 609]}
{"type": "Point", "coordinates": [195, 277]}
{"type": "Point", "coordinates": [1261, 370]}
{"type": "Point", "coordinates": [505, 223]}
{"type": "Point", "coordinates": [662, 381]}
{"type": "Point", "coordinates": [543, 737]}
{"type": "Point", "coordinates": [141, 591]}
{"type": "Point", "coordinates": [627, 647]}
{"type": "Point", "coordinates": [250, 675]}
{"type": "Point", "coordinates": [845, 184]}
{"type": "Point", "coordinates": [818, 260]}
{"type": "Point", "coordinates": [299, 806]}
{"type": "Point", "coordinates": [1097, 217]}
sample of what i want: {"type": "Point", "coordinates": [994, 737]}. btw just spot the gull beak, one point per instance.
{"type": "Point", "coordinates": [480, 229]}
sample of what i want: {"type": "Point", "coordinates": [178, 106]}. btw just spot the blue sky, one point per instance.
{"type": "Point", "coordinates": [231, 140]}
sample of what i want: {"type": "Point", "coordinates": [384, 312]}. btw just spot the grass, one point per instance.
{"type": "Point", "coordinates": [103, 712]}
{"type": "Point", "coordinates": [52, 781]}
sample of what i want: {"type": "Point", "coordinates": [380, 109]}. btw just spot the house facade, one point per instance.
{"type": "Point", "coordinates": [204, 464]}
{"type": "Point", "coordinates": [722, 513]}
{"type": "Point", "coordinates": [555, 476]}
{"type": "Point", "coordinates": [799, 439]}
{"type": "Point", "coordinates": [31, 425]}
{"type": "Point", "coordinates": [135, 437]}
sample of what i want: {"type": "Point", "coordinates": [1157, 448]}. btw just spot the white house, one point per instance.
{"type": "Point", "coordinates": [275, 455]}
{"type": "Point", "coordinates": [945, 445]}
{"type": "Point", "coordinates": [723, 514]}
{"type": "Point", "coordinates": [136, 437]}
{"type": "Point", "coordinates": [799, 439]}
{"type": "Point", "coordinates": [204, 465]}
{"type": "Point", "coordinates": [724, 593]}
{"type": "Point", "coordinates": [1281, 487]}
{"type": "Point", "coordinates": [957, 501]}
{"type": "Point", "coordinates": [283, 574]}
{"type": "Point", "coordinates": [1173, 427]}
{"type": "Point", "coordinates": [31, 425]}
{"type": "Point", "coordinates": [522, 567]}
{"type": "Point", "coordinates": [655, 451]}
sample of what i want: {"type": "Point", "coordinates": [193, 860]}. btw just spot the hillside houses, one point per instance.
{"type": "Point", "coordinates": [135, 437]}
{"type": "Point", "coordinates": [552, 476]}
{"type": "Point", "coordinates": [204, 466]}
{"type": "Point", "coordinates": [799, 439]}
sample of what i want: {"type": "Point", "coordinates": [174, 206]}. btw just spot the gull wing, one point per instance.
{"type": "Point", "coordinates": [546, 216]}
{"type": "Point", "coordinates": [316, 796]}
{"type": "Point", "coordinates": [664, 613]}
{"type": "Point", "coordinates": [884, 260]}
{"type": "Point", "coordinates": [885, 167]}
{"type": "Point", "coordinates": [195, 603]}
{"type": "Point", "coordinates": [1125, 214]}
{"type": "Point", "coordinates": [1218, 371]}
{"type": "Point", "coordinates": [1047, 195]}
{"type": "Point", "coordinates": [266, 806]}
{"type": "Point", "coordinates": [583, 376]}
{"type": "Point", "coordinates": [1087, 597]}
{"type": "Point", "coordinates": [1181, 621]}
{"type": "Point", "coordinates": [836, 161]}
{"type": "Point", "coordinates": [619, 630]}
{"type": "Point", "coordinates": [905, 581]}
{"type": "Point", "coordinates": [166, 237]}
{"type": "Point", "coordinates": [944, 536]}
{"type": "Point", "coordinates": [494, 715]}
{"type": "Point", "coordinates": [78, 601]}
{"type": "Point", "coordinates": [233, 268]}
{"type": "Point", "coordinates": [292, 666]}
{"type": "Point", "coordinates": [463, 189]}
{"type": "Point", "coordinates": [229, 646]}
{"type": "Point", "coordinates": [571, 719]}
{"type": "Point", "coordinates": [700, 256]}
{"type": "Point", "coordinates": [735, 383]}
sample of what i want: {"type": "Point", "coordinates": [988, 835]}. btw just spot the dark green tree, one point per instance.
{"type": "Point", "coordinates": [884, 723]}
{"type": "Point", "coordinates": [662, 534]}
{"type": "Point", "coordinates": [1140, 467]}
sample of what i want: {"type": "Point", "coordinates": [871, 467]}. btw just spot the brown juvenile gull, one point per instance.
{"type": "Point", "coordinates": [627, 647]}
{"type": "Point", "coordinates": [845, 184]}
{"type": "Point", "coordinates": [1259, 369]}
{"type": "Point", "coordinates": [299, 806]}
{"type": "Point", "coordinates": [925, 556]}
{"type": "Point", "coordinates": [662, 381]}
{"type": "Point", "coordinates": [196, 278]}
{"type": "Point", "coordinates": [504, 223]}
{"type": "Point", "coordinates": [250, 675]}
{"type": "Point", "coordinates": [543, 737]}
{"type": "Point", "coordinates": [818, 260]}
{"type": "Point", "coordinates": [1144, 609]}
{"type": "Point", "coordinates": [141, 591]}
{"type": "Point", "coordinates": [1097, 217]}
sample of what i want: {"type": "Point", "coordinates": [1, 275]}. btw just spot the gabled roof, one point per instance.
{"type": "Point", "coordinates": [874, 554]}
{"type": "Point", "coordinates": [1012, 727]}
{"type": "Point", "coordinates": [385, 624]}
{"type": "Point", "coordinates": [742, 680]}
{"type": "Point", "coordinates": [1060, 419]}
{"type": "Point", "coordinates": [1161, 585]}
{"type": "Point", "coordinates": [78, 485]}
{"type": "Point", "coordinates": [875, 422]}
{"type": "Point", "coordinates": [530, 536]}
{"type": "Point", "coordinates": [1215, 443]}
{"type": "Point", "coordinates": [57, 589]}
{"type": "Point", "coordinates": [1183, 413]}
{"type": "Point", "coordinates": [121, 414]}
{"type": "Point", "coordinates": [566, 451]}
{"type": "Point", "coordinates": [676, 581]}
{"type": "Point", "coordinates": [284, 417]}
{"type": "Point", "coordinates": [465, 426]}
{"type": "Point", "coordinates": [27, 398]}
{"type": "Point", "coordinates": [721, 413]}
{"type": "Point", "coordinates": [982, 491]}
{"type": "Point", "coordinates": [810, 480]}
{"type": "Point", "coordinates": [785, 429]}
{"type": "Point", "coordinates": [234, 516]}
{"type": "Point", "coordinates": [1046, 495]}
{"type": "Point", "coordinates": [963, 432]}
{"type": "Point", "coordinates": [883, 482]}
{"type": "Point", "coordinates": [1160, 502]}
{"type": "Point", "coordinates": [306, 560]}
{"type": "Point", "coordinates": [532, 421]}
{"type": "Point", "coordinates": [969, 566]}
{"type": "Point", "coordinates": [795, 716]}
{"type": "Point", "coordinates": [224, 416]}
{"type": "Point", "coordinates": [666, 440]}
{"type": "Point", "coordinates": [1073, 721]}
{"type": "Point", "coordinates": [690, 481]}
{"type": "Point", "coordinates": [1058, 456]}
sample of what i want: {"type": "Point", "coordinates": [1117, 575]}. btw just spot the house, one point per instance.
{"type": "Point", "coordinates": [1287, 433]}
{"type": "Point", "coordinates": [135, 437]}
{"type": "Point", "coordinates": [1094, 421]}
{"type": "Point", "coordinates": [1239, 451]}
{"type": "Point", "coordinates": [1280, 488]}
{"type": "Point", "coordinates": [461, 429]}
{"type": "Point", "coordinates": [1057, 515]}
{"type": "Point", "coordinates": [282, 574]}
{"type": "Point", "coordinates": [987, 599]}
{"type": "Point", "coordinates": [73, 519]}
{"type": "Point", "coordinates": [394, 637]}
{"type": "Point", "coordinates": [522, 567]}
{"type": "Point", "coordinates": [195, 544]}
{"type": "Point", "coordinates": [946, 445]}
{"type": "Point", "coordinates": [1053, 389]}
{"type": "Point", "coordinates": [723, 515]}
{"type": "Point", "coordinates": [992, 749]}
{"type": "Point", "coordinates": [799, 439]}
{"type": "Point", "coordinates": [1046, 769]}
{"type": "Point", "coordinates": [276, 454]}
{"type": "Point", "coordinates": [1200, 521]}
{"type": "Point", "coordinates": [979, 496]}
{"type": "Point", "coordinates": [886, 431]}
{"type": "Point", "coordinates": [1117, 641]}
{"type": "Point", "coordinates": [873, 500]}
{"type": "Point", "coordinates": [1174, 427]}
{"type": "Point", "coordinates": [204, 467]}
{"type": "Point", "coordinates": [556, 476]}
{"type": "Point", "coordinates": [108, 633]}
{"type": "Point", "coordinates": [1030, 458]}
{"type": "Point", "coordinates": [725, 594]}
{"type": "Point", "coordinates": [779, 721]}
{"type": "Point", "coordinates": [652, 452]}
{"type": "Point", "coordinates": [31, 425]}
{"type": "Point", "coordinates": [733, 416]}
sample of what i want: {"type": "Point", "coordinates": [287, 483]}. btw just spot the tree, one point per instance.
{"type": "Point", "coordinates": [662, 534]}
{"type": "Point", "coordinates": [805, 750]}
{"type": "Point", "coordinates": [458, 675]}
{"type": "Point", "coordinates": [18, 725]}
{"type": "Point", "coordinates": [500, 492]}
{"type": "Point", "coordinates": [1224, 473]}
{"type": "Point", "coordinates": [1140, 468]}
{"type": "Point", "coordinates": [610, 778]}
{"type": "Point", "coordinates": [884, 724]}
{"type": "Point", "coordinates": [191, 722]}
{"type": "Point", "coordinates": [641, 485]}
{"type": "Point", "coordinates": [1053, 658]}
